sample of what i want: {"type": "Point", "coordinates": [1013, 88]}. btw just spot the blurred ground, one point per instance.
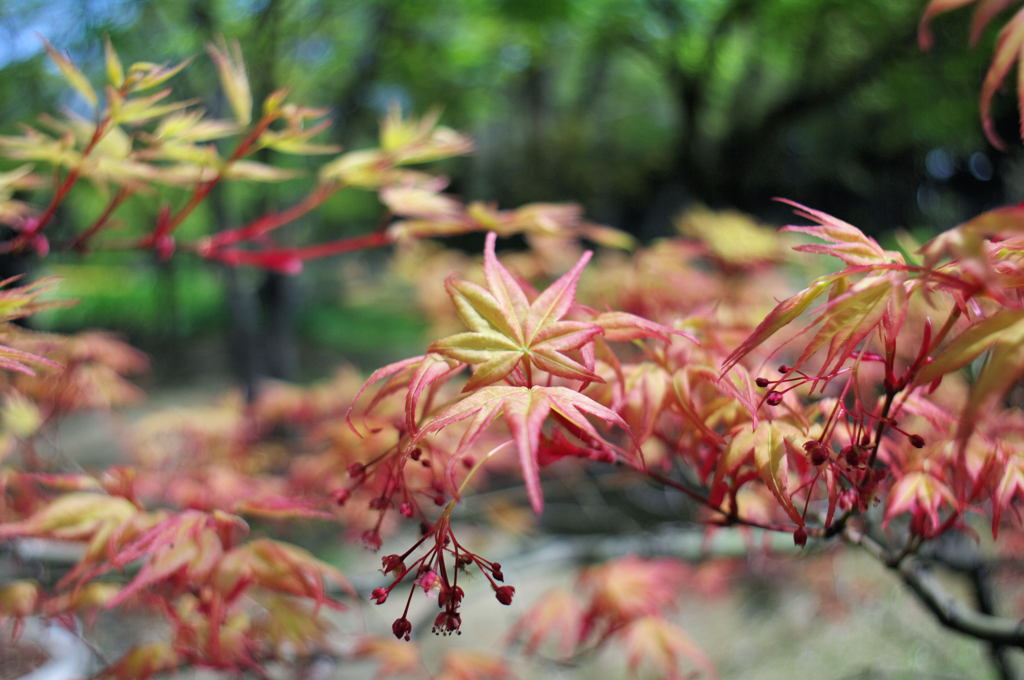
{"type": "Point", "coordinates": [834, 614]}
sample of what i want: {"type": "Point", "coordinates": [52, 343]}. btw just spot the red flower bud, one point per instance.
{"type": "Point", "coordinates": [406, 509]}
{"type": "Point", "coordinates": [504, 594]}
{"type": "Point", "coordinates": [356, 470]}
{"type": "Point", "coordinates": [800, 537]}
{"type": "Point", "coordinates": [450, 596]}
{"type": "Point", "coordinates": [446, 623]}
{"type": "Point", "coordinates": [817, 451]}
{"type": "Point", "coordinates": [401, 628]}
{"type": "Point", "coordinates": [392, 563]}
{"type": "Point", "coordinates": [774, 398]}
{"type": "Point", "coordinates": [762, 382]}
{"type": "Point", "coordinates": [379, 595]}
{"type": "Point", "coordinates": [917, 441]}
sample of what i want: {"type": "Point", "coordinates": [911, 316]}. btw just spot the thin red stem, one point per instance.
{"type": "Point", "coordinates": [82, 240]}
{"type": "Point", "coordinates": [202, 190]}
{"type": "Point", "coordinates": [294, 255]}
{"type": "Point", "coordinates": [268, 223]}
{"type": "Point", "coordinates": [62, 191]}
{"type": "Point", "coordinates": [729, 517]}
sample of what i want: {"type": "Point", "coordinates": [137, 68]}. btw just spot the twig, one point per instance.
{"type": "Point", "coordinates": [947, 609]}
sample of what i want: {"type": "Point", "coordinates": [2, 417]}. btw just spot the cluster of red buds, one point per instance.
{"type": "Point", "coordinates": [384, 480]}
{"type": "Point", "coordinates": [437, 571]}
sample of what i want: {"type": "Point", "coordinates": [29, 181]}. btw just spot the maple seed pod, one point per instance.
{"type": "Point", "coordinates": [504, 594]}
{"type": "Point", "coordinates": [391, 563]}
{"type": "Point", "coordinates": [401, 628]}
{"type": "Point", "coordinates": [916, 440]}
{"type": "Point", "coordinates": [800, 537]}
{"type": "Point", "coordinates": [817, 451]}
{"type": "Point", "coordinates": [774, 398]}
{"type": "Point", "coordinates": [762, 382]}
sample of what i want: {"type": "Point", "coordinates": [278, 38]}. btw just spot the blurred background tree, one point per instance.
{"type": "Point", "coordinates": [634, 108]}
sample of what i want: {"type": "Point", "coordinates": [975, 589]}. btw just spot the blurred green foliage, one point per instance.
{"type": "Point", "coordinates": [635, 108]}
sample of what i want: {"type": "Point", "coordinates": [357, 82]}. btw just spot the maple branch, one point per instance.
{"type": "Point", "coordinates": [947, 609]}
{"type": "Point", "coordinates": [981, 585]}
{"type": "Point", "coordinates": [80, 242]}
{"type": "Point", "coordinates": [267, 223]}
{"type": "Point", "coordinates": [65, 187]}
{"type": "Point", "coordinates": [166, 226]}
{"type": "Point", "coordinates": [729, 518]}
{"type": "Point", "coordinates": [883, 420]}
{"type": "Point", "coordinates": [290, 259]}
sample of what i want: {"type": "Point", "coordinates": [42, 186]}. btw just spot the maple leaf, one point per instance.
{"type": "Point", "coordinates": [71, 73]}
{"type": "Point", "coordinates": [143, 662]}
{"type": "Point", "coordinates": [629, 588]}
{"type": "Point", "coordinates": [465, 664]}
{"type": "Point", "coordinates": [556, 614]}
{"type": "Point", "coordinates": [852, 311]}
{"type": "Point", "coordinates": [766, 445]}
{"type": "Point", "coordinates": [289, 625]}
{"type": "Point", "coordinates": [525, 409]}
{"type": "Point", "coordinates": [782, 315]}
{"type": "Point", "coordinates": [74, 517]}
{"type": "Point", "coordinates": [921, 494]}
{"type": "Point", "coordinates": [415, 375]}
{"type": "Point", "coordinates": [1009, 47]}
{"type": "Point", "coordinates": [19, 599]}
{"type": "Point", "coordinates": [1011, 485]}
{"type": "Point", "coordinates": [1002, 335]}
{"type": "Point", "coordinates": [984, 253]}
{"type": "Point", "coordinates": [983, 14]}
{"type": "Point", "coordinates": [233, 78]}
{"type": "Point", "coordinates": [846, 241]}
{"type": "Point", "coordinates": [279, 567]}
{"type": "Point", "coordinates": [656, 643]}
{"type": "Point", "coordinates": [394, 657]}
{"type": "Point", "coordinates": [15, 303]}
{"type": "Point", "coordinates": [509, 331]}
{"type": "Point", "coordinates": [850, 317]}
{"type": "Point", "coordinates": [189, 544]}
